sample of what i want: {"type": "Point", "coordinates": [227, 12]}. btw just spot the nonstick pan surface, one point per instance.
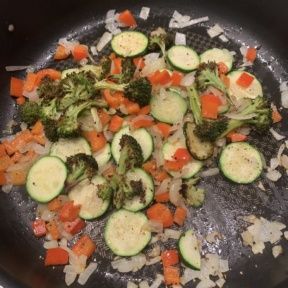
{"type": "Point", "coordinates": [38, 26]}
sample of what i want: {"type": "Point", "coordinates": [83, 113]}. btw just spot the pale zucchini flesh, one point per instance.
{"type": "Point", "coordinates": [103, 156]}
{"type": "Point", "coordinates": [46, 179]}
{"type": "Point", "coordinates": [124, 233]}
{"type": "Point", "coordinates": [240, 162]}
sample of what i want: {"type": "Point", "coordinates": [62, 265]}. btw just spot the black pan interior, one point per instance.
{"type": "Point", "coordinates": [37, 30]}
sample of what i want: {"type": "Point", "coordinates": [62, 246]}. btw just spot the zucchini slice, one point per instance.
{"type": "Point", "coordinates": [103, 156]}
{"type": "Point", "coordinates": [142, 137]}
{"type": "Point", "coordinates": [189, 250]}
{"type": "Point", "coordinates": [190, 169]}
{"type": "Point", "coordinates": [85, 194]}
{"type": "Point", "coordinates": [183, 58]}
{"type": "Point", "coordinates": [136, 203]}
{"type": "Point", "coordinates": [252, 92]}
{"type": "Point", "coordinates": [64, 148]}
{"type": "Point", "coordinates": [124, 234]}
{"type": "Point", "coordinates": [241, 163]}
{"type": "Point", "coordinates": [199, 149]}
{"type": "Point", "coordinates": [170, 109]}
{"type": "Point", "coordinates": [129, 43]}
{"type": "Point", "coordinates": [218, 55]}
{"type": "Point", "coordinates": [46, 179]}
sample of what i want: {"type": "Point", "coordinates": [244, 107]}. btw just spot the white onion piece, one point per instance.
{"type": "Point", "coordinates": [96, 119]}
{"type": "Point", "coordinates": [153, 261]}
{"type": "Point", "coordinates": [210, 172]}
{"type": "Point", "coordinates": [244, 130]}
{"type": "Point", "coordinates": [7, 188]}
{"type": "Point", "coordinates": [68, 45]}
{"type": "Point", "coordinates": [141, 117]}
{"type": "Point", "coordinates": [243, 51]}
{"type": "Point", "coordinates": [172, 234]}
{"type": "Point", "coordinates": [153, 226]}
{"type": "Point", "coordinates": [23, 126]}
{"type": "Point", "coordinates": [70, 278]}
{"type": "Point", "coordinates": [32, 96]}
{"type": "Point", "coordinates": [194, 21]}
{"type": "Point", "coordinates": [104, 40]}
{"type": "Point", "coordinates": [173, 23]}
{"type": "Point", "coordinates": [276, 135]}
{"type": "Point", "coordinates": [153, 66]}
{"type": "Point", "coordinates": [63, 242]}
{"type": "Point", "coordinates": [48, 215]}
{"type": "Point", "coordinates": [236, 116]}
{"type": "Point", "coordinates": [273, 175]}
{"type": "Point", "coordinates": [220, 142]}
{"type": "Point", "coordinates": [154, 252]}
{"type": "Point", "coordinates": [151, 56]}
{"type": "Point", "coordinates": [93, 50]}
{"type": "Point", "coordinates": [214, 31]}
{"type": "Point", "coordinates": [274, 163]}
{"type": "Point", "coordinates": [174, 195]}
{"type": "Point", "coordinates": [144, 13]}
{"type": "Point", "coordinates": [164, 186]}
{"type": "Point", "coordinates": [144, 284]}
{"type": "Point", "coordinates": [15, 68]}
{"type": "Point", "coordinates": [284, 99]}
{"type": "Point", "coordinates": [108, 135]}
{"type": "Point", "coordinates": [223, 38]}
{"type": "Point", "coordinates": [84, 276]}
{"type": "Point", "coordinates": [138, 262]}
{"type": "Point", "coordinates": [284, 161]}
{"type": "Point", "coordinates": [122, 265]}
{"type": "Point", "coordinates": [188, 79]}
{"type": "Point", "coordinates": [283, 86]}
{"type": "Point", "coordinates": [131, 285]}
{"type": "Point", "coordinates": [180, 39]}
{"type": "Point", "coordinates": [50, 244]}
{"type": "Point", "coordinates": [157, 282]}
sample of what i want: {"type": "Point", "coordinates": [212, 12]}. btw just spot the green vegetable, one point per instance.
{"type": "Point", "coordinates": [138, 90]}
{"type": "Point", "coordinates": [195, 104]}
{"type": "Point", "coordinates": [194, 196]}
{"type": "Point", "coordinates": [80, 166]}
{"type": "Point", "coordinates": [131, 154]}
{"type": "Point", "coordinates": [105, 63]}
{"type": "Point", "coordinates": [29, 112]}
{"type": "Point", "coordinates": [160, 39]}
{"type": "Point", "coordinates": [207, 75]}
{"type": "Point", "coordinates": [105, 191]}
{"type": "Point", "coordinates": [49, 89]}
{"type": "Point", "coordinates": [128, 70]}
{"type": "Point", "coordinates": [211, 130]}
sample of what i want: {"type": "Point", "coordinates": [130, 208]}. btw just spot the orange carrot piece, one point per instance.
{"type": "Point", "coordinates": [61, 53]}
{"type": "Point", "coordinates": [80, 52]}
{"type": "Point", "coordinates": [3, 179]}
{"type": "Point", "coordinates": [5, 162]}
{"type": "Point", "coordinates": [112, 101]}
{"type": "Point", "coordinates": [10, 149]}
{"type": "Point", "coordinates": [276, 116]}
{"type": "Point", "coordinates": [142, 123]}
{"type": "Point", "coordinates": [117, 66]}
{"type": "Point", "coordinates": [17, 177]}
{"type": "Point", "coordinates": [236, 137]}
{"type": "Point", "coordinates": [225, 80]}
{"type": "Point", "coordinates": [132, 108]}
{"type": "Point", "coordinates": [38, 128]}
{"type": "Point", "coordinates": [209, 105]}
{"type": "Point", "coordinates": [160, 175]}
{"type": "Point", "coordinates": [16, 87]}
{"type": "Point", "coordinates": [251, 54]}
{"type": "Point", "coordinates": [222, 68]}
{"type": "Point", "coordinates": [52, 228]}
{"type": "Point", "coordinates": [160, 78]}
{"type": "Point", "coordinates": [149, 166]}
{"type": "Point", "coordinates": [20, 100]}
{"type": "Point", "coordinates": [30, 81]}
{"type": "Point", "coordinates": [162, 198]}
{"type": "Point", "coordinates": [171, 275]}
{"type": "Point", "coordinates": [145, 110]}
{"type": "Point", "coordinates": [55, 205]}
{"type": "Point", "coordinates": [115, 123]}
{"type": "Point", "coordinates": [2, 150]}
{"type": "Point", "coordinates": [176, 78]}
{"type": "Point", "coordinates": [69, 211]}
{"type": "Point", "coordinates": [49, 72]}
{"type": "Point", "coordinates": [180, 216]}
{"type": "Point", "coordinates": [161, 213]}
{"type": "Point", "coordinates": [40, 139]}
{"type": "Point", "coordinates": [96, 140]}
{"type": "Point", "coordinates": [56, 256]}
{"type": "Point", "coordinates": [164, 129]}
{"type": "Point", "coordinates": [22, 139]}
{"type": "Point", "coordinates": [104, 117]}
{"type": "Point", "coordinates": [245, 80]}
{"type": "Point", "coordinates": [16, 156]}
{"type": "Point", "coordinates": [139, 62]}
{"type": "Point", "coordinates": [170, 257]}
{"type": "Point", "coordinates": [174, 165]}
{"type": "Point", "coordinates": [84, 246]}
{"type": "Point", "coordinates": [127, 18]}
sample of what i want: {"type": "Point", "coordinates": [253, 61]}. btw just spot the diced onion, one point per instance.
{"type": "Point", "coordinates": [144, 284]}
{"type": "Point", "coordinates": [223, 38]}
{"type": "Point", "coordinates": [172, 234]}
{"type": "Point", "coordinates": [153, 226]}
{"type": "Point", "coordinates": [214, 31]}
{"type": "Point", "coordinates": [188, 79]}
{"type": "Point", "coordinates": [131, 285]}
{"type": "Point", "coordinates": [284, 99]}
{"type": "Point", "coordinates": [158, 281]}
{"type": "Point", "coordinates": [93, 50]}
{"type": "Point", "coordinates": [283, 86]}
{"type": "Point", "coordinates": [153, 261]}
{"type": "Point", "coordinates": [50, 244]}
{"type": "Point", "coordinates": [180, 39]}
{"type": "Point", "coordinates": [7, 188]}
{"type": "Point", "coordinates": [276, 135]}
{"type": "Point", "coordinates": [236, 116]}
{"type": "Point", "coordinates": [273, 175]}
{"type": "Point", "coordinates": [70, 278]}
{"type": "Point", "coordinates": [104, 40]}
{"type": "Point", "coordinates": [284, 161]}
{"type": "Point", "coordinates": [174, 195]}
{"type": "Point", "coordinates": [84, 276]}
{"type": "Point", "coordinates": [154, 252]}
{"type": "Point", "coordinates": [163, 186]}
{"type": "Point", "coordinates": [152, 66]}
{"type": "Point", "coordinates": [144, 13]}
{"type": "Point", "coordinates": [48, 215]}
{"type": "Point", "coordinates": [15, 68]}
{"type": "Point", "coordinates": [210, 172]}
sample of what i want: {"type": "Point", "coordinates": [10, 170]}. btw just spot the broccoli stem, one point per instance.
{"type": "Point", "coordinates": [108, 85]}
{"type": "Point", "coordinates": [195, 104]}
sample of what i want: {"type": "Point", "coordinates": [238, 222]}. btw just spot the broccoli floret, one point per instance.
{"type": "Point", "coordinates": [49, 110]}
{"type": "Point", "coordinates": [105, 191]}
{"type": "Point", "coordinates": [193, 196]}
{"type": "Point", "coordinates": [160, 39]}
{"type": "Point", "coordinates": [130, 155]}
{"type": "Point", "coordinates": [50, 129]}
{"type": "Point", "coordinates": [76, 87]}
{"type": "Point", "coordinates": [207, 75]}
{"type": "Point", "coordinates": [30, 112]}
{"type": "Point", "coordinates": [211, 130]}
{"type": "Point", "coordinates": [49, 89]}
{"type": "Point", "coordinates": [128, 70]}
{"type": "Point", "coordinates": [195, 104]}
{"type": "Point", "coordinates": [68, 125]}
{"type": "Point", "coordinates": [80, 166]}
{"type": "Point", "coordinates": [105, 64]}
{"type": "Point", "coordinates": [138, 90]}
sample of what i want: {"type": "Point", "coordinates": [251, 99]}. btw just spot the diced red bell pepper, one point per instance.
{"type": "Point", "coordinates": [84, 246]}
{"type": "Point", "coordinates": [56, 256]}
{"type": "Point", "coordinates": [75, 226]}
{"type": "Point", "coordinates": [69, 212]}
{"type": "Point", "coordinates": [182, 154]}
{"type": "Point", "coordinates": [170, 257]}
{"type": "Point", "coordinates": [39, 228]}
{"type": "Point", "coordinates": [245, 80]}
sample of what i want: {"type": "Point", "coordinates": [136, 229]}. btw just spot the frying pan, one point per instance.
{"type": "Point", "coordinates": [39, 25]}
